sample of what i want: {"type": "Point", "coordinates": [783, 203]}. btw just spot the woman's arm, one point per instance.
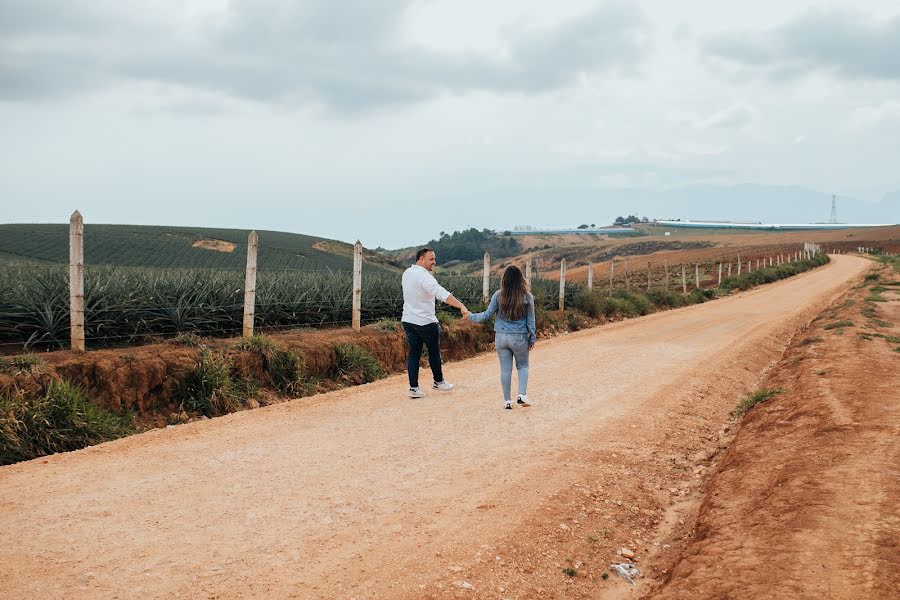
{"type": "Point", "coordinates": [491, 309]}
{"type": "Point", "coordinates": [530, 323]}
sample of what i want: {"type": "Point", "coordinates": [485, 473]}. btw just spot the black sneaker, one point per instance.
{"type": "Point", "coordinates": [508, 406]}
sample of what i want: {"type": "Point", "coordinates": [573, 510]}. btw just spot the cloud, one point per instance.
{"type": "Point", "coordinates": [736, 116]}
{"type": "Point", "coordinates": [345, 56]}
{"type": "Point", "coordinates": [841, 43]}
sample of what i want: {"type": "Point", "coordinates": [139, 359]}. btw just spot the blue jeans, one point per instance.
{"type": "Point", "coordinates": [509, 346]}
{"type": "Point", "coordinates": [417, 336]}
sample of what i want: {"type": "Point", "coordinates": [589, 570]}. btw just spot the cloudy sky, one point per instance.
{"type": "Point", "coordinates": [392, 120]}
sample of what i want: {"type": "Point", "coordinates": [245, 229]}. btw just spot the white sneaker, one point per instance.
{"type": "Point", "coordinates": [522, 400]}
{"type": "Point", "coordinates": [443, 386]}
{"type": "Point", "coordinates": [416, 393]}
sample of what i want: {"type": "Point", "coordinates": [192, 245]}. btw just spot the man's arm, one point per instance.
{"type": "Point", "coordinates": [452, 301]}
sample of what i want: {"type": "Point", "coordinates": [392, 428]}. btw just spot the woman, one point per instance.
{"type": "Point", "coordinates": [514, 330]}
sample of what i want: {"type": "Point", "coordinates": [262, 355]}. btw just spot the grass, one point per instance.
{"type": "Point", "coordinates": [60, 419]}
{"type": "Point", "coordinates": [26, 363]}
{"type": "Point", "coordinates": [811, 340]}
{"type": "Point", "coordinates": [387, 325]}
{"type": "Point", "coordinates": [875, 298]}
{"type": "Point", "coordinates": [191, 340]}
{"type": "Point", "coordinates": [284, 366]}
{"type": "Point", "coordinates": [751, 400]}
{"type": "Point", "coordinates": [570, 572]}
{"type": "Point", "coordinates": [356, 363]}
{"type": "Point", "coordinates": [839, 324]}
{"type": "Point", "coordinates": [209, 388]}
{"type": "Point", "coordinates": [880, 323]}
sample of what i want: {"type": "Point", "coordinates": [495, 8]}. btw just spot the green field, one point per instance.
{"type": "Point", "coordinates": [170, 247]}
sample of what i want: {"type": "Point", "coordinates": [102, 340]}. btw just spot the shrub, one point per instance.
{"type": "Point", "coordinates": [58, 420]}
{"type": "Point", "coordinates": [209, 389]}
{"type": "Point", "coordinates": [751, 400]}
{"type": "Point", "coordinates": [356, 363]}
{"type": "Point", "coordinates": [591, 303]}
{"type": "Point", "coordinates": [638, 304]}
{"type": "Point", "coordinates": [667, 299]}
{"type": "Point", "coordinates": [839, 324]}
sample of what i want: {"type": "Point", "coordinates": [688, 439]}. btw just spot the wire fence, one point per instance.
{"type": "Point", "coordinates": [124, 305]}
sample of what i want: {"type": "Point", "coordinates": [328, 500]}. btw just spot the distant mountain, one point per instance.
{"type": "Point", "coordinates": [176, 247]}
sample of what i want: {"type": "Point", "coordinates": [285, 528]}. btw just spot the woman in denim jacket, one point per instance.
{"type": "Point", "coordinates": [514, 330]}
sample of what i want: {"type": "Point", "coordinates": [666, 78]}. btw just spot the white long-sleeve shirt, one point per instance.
{"type": "Point", "coordinates": [420, 288]}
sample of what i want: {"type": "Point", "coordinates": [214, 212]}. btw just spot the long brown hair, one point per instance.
{"type": "Point", "coordinates": [513, 290]}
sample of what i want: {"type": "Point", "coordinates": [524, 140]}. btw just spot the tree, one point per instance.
{"type": "Point", "coordinates": [619, 221]}
{"type": "Point", "coordinates": [583, 226]}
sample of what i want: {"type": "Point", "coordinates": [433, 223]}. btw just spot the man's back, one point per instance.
{"type": "Point", "coordinates": [420, 289]}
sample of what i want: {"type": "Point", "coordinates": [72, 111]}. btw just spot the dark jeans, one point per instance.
{"type": "Point", "coordinates": [430, 335]}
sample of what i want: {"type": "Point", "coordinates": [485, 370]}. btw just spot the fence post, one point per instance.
{"type": "Point", "coordinates": [666, 264]}
{"type": "Point", "coordinates": [625, 268]}
{"type": "Point", "coordinates": [739, 265]}
{"type": "Point", "coordinates": [357, 285]}
{"type": "Point", "coordinates": [250, 284]}
{"type": "Point", "coordinates": [486, 280]}
{"type": "Point", "coordinates": [683, 281]}
{"type": "Point", "coordinates": [697, 275]}
{"type": "Point", "coordinates": [562, 284]}
{"type": "Point", "coordinates": [720, 276]}
{"type": "Point", "coordinates": [590, 276]}
{"type": "Point", "coordinates": [612, 269]}
{"type": "Point", "coordinates": [76, 282]}
{"type": "Point", "coordinates": [729, 268]}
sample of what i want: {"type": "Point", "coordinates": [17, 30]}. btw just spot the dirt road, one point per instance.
{"type": "Point", "coordinates": [365, 493]}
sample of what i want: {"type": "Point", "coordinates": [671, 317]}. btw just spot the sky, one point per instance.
{"type": "Point", "coordinates": [390, 121]}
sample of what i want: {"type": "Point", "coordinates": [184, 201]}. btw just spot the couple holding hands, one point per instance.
{"type": "Point", "coordinates": [514, 326]}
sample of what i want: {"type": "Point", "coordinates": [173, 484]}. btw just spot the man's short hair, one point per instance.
{"type": "Point", "coordinates": [423, 252]}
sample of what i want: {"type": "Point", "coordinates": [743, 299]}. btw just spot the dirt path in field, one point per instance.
{"type": "Point", "coordinates": [365, 493]}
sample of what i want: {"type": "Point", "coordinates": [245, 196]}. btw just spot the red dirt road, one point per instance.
{"type": "Point", "coordinates": [365, 493]}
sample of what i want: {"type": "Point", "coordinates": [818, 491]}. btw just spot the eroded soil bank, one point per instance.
{"type": "Point", "coordinates": [805, 503]}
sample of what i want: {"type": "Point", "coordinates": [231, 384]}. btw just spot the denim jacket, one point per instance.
{"type": "Point", "coordinates": [523, 326]}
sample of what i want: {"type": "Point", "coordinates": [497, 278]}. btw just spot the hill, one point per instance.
{"type": "Point", "coordinates": [177, 247]}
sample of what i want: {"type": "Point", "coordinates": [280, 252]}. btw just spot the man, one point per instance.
{"type": "Point", "coordinates": [420, 288]}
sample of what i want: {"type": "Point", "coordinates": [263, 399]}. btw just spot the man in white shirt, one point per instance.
{"type": "Point", "coordinates": [420, 289]}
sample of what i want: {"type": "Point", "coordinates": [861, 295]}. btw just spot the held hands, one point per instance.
{"type": "Point", "coordinates": [465, 313]}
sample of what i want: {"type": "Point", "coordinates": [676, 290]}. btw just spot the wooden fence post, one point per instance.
{"type": "Point", "coordinates": [739, 265]}
{"type": "Point", "coordinates": [683, 281]}
{"type": "Point", "coordinates": [486, 280]}
{"type": "Point", "coordinates": [76, 282]}
{"type": "Point", "coordinates": [562, 285]}
{"type": "Point", "coordinates": [612, 269]}
{"type": "Point", "coordinates": [666, 265]}
{"type": "Point", "coordinates": [590, 276]}
{"type": "Point", "coordinates": [625, 268]}
{"type": "Point", "coordinates": [729, 268]}
{"type": "Point", "coordinates": [357, 285]}
{"type": "Point", "coordinates": [720, 276]}
{"type": "Point", "coordinates": [250, 284]}
{"type": "Point", "coordinates": [697, 275]}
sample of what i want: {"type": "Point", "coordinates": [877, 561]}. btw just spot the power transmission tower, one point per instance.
{"type": "Point", "coordinates": [833, 218]}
